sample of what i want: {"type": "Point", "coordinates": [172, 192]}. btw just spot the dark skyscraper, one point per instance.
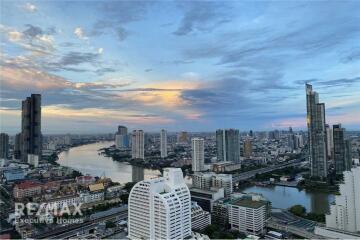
{"type": "Point", "coordinates": [228, 145]}
{"type": "Point", "coordinates": [4, 145]}
{"type": "Point", "coordinates": [31, 127]}
{"type": "Point", "coordinates": [17, 146]}
{"type": "Point", "coordinates": [342, 158]}
{"type": "Point", "coordinates": [316, 133]}
{"type": "Point", "coordinates": [122, 130]}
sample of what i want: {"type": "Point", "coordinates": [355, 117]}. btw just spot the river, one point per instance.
{"type": "Point", "coordinates": [86, 159]}
{"type": "Point", "coordinates": [285, 197]}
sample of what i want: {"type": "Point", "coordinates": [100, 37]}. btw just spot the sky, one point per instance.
{"type": "Point", "coordinates": [179, 65]}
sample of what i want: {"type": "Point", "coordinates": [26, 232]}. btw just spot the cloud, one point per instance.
{"type": "Point", "coordinates": [100, 50]}
{"type": "Point", "coordinates": [30, 7]}
{"type": "Point", "coordinates": [201, 16]}
{"type": "Point", "coordinates": [79, 33]}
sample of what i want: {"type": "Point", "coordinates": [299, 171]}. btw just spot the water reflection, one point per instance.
{"type": "Point", "coordinates": [285, 197]}
{"type": "Point", "coordinates": [87, 160]}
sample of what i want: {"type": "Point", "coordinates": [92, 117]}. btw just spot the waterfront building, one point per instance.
{"type": "Point", "coordinates": [316, 134]}
{"type": "Point", "coordinates": [121, 141]}
{"type": "Point", "coordinates": [206, 198]}
{"type": "Point", "coordinates": [220, 167]}
{"type": "Point", "coordinates": [4, 145]}
{"type": "Point", "coordinates": [122, 130]}
{"type": "Point", "coordinates": [160, 208]}
{"type": "Point", "coordinates": [345, 212]}
{"type": "Point", "coordinates": [329, 141]}
{"type": "Point", "coordinates": [228, 145]}
{"type": "Point", "coordinates": [343, 161]}
{"type": "Point", "coordinates": [208, 180]}
{"type": "Point", "coordinates": [27, 189]}
{"type": "Point", "coordinates": [200, 219]}
{"type": "Point", "coordinates": [137, 147]}
{"type": "Point", "coordinates": [67, 140]}
{"type": "Point", "coordinates": [197, 154]}
{"type": "Point", "coordinates": [247, 148]}
{"type": "Point", "coordinates": [248, 215]}
{"type": "Point", "coordinates": [137, 173]}
{"type": "Point", "coordinates": [163, 143]}
{"type": "Point", "coordinates": [31, 138]}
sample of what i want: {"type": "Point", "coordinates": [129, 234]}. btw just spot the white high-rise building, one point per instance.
{"type": "Point", "coordinates": [160, 208]}
{"type": "Point", "coordinates": [197, 145]}
{"type": "Point", "coordinates": [163, 143]}
{"type": "Point", "coordinates": [345, 213]}
{"type": "Point", "coordinates": [200, 219]}
{"type": "Point", "coordinates": [223, 181]}
{"type": "Point", "coordinates": [137, 144]}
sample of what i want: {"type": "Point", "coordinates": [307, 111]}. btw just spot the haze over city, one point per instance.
{"type": "Point", "coordinates": [194, 66]}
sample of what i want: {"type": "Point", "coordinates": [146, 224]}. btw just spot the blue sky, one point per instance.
{"type": "Point", "coordinates": [179, 65]}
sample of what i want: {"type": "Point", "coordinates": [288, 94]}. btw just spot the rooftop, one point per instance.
{"type": "Point", "coordinates": [248, 203]}
{"type": "Point", "coordinates": [28, 184]}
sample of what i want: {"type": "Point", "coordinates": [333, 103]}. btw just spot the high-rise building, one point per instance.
{"type": "Point", "coordinates": [197, 150]}
{"type": "Point", "coordinates": [316, 134]}
{"type": "Point", "coordinates": [228, 145]}
{"type": "Point", "coordinates": [342, 160]}
{"type": "Point", "coordinates": [160, 208]}
{"type": "Point", "coordinates": [183, 137]}
{"type": "Point", "coordinates": [4, 145]}
{"type": "Point", "coordinates": [329, 141]}
{"type": "Point", "coordinates": [31, 138]}
{"type": "Point", "coordinates": [137, 173]}
{"type": "Point", "coordinates": [163, 143]}
{"type": "Point", "coordinates": [17, 146]}
{"type": "Point", "coordinates": [223, 181]}
{"type": "Point", "coordinates": [345, 213]}
{"type": "Point", "coordinates": [122, 130]}
{"type": "Point", "coordinates": [247, 148]}
{"type": "Point", "coordinates": [137, 144]}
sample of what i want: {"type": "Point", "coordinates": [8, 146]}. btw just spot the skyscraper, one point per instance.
{"type": "Point", "coordinates": [160, 208]}
{"type": "Point", "coordinates": [137, 144]}
{"type": "Point", "coordinates": [163, 143]}
{"type": "Point", "coordinates": [228, 145]}
{"type": "Point", "coordinates": [247, 148]}
{"type": "Point", "coordinates": [345, 213]}
{"type": "Point", "coordinates": [122, 130]}
{"type": "Point", "coordinates": [197, 150]}
{"type": "Point", "coordinates": [316, 133]}
{"type": "Point", "coordinates": [17, 146]}
{"type": "Point", "coordinates": [122, 138]}
{"type": "Point", "coordinates": [183, 137]}
{"type": "Point", "coordinates": [342, 161]}
{"type": "Point", "coordinates": [4, 145]}
{"type": "Point", "coordinates": [329, 141]}
{"type": "Point", "coordinates": [31, 139]}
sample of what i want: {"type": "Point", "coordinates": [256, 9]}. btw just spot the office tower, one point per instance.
{"type": "Point", "coordinates": [202, 180]}
{"type": "Point", "coordinates": [290, 130]}
{"type": "Point", "coordinates": [137, 173]}
{"type": "Point", "coordinates": [316, 134]}
{"type": "Point", "coordinates": [247, 148]}
{"type": "Point", "coordinates": [251, 134]}
{"type": "Point", "coordinates": [345, 213]}
{"type": "Point", "coordinates": [348, 155]}
{"type": "Point", "coordinates": [342, 161]}
{"type": "Point", "coordinates": [163, 143]}
{"type": "Point", "coordinates": [197, 150]}
{"type": "Point", "coordinates": [137, 147]}
{"type": "Point", "coordinates": [292, 141]}
{"type": "Point", "coordinates": [31, 139]}
{"type": "Point", "coordinates": [200, 219]}
{"type": "Point", "coordinates": [17, 146]}
{"type": "Point", "coordinates": [329, 141]}
{"type": "Point", "coordinates": [228, 145]}
{"type": "Point", "coordinates": [122, 130]}
{"type": "Point", "coordinates": [160, 208]}
{"type": "Point", "coordinates": [68, 140]}
{"type": "Point", "coordinates": [183, 137]}
{"type": "Point", "coordinates": [4, 145]}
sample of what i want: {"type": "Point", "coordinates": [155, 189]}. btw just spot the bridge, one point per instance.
{"type": "Point", "coordinates": [250, 174]}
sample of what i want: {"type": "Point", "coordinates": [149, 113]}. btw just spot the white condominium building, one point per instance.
{"type": "Point", "coordinates": [248, 215]}
{"type": "Point", "coordinates": [345, 213]}
{"type": "Point", "coordinates": [197, 146]}
{"type": "Point", "coordinates": [212, 180]}
{"type": "Point", "coordinates": [163, 143]}
{"type": "Point", "coordinates": [160, 208]}
{"type": "Point", "coordinates": [137, 147]}
{"type": "Point", "coordinates": [223, 181]}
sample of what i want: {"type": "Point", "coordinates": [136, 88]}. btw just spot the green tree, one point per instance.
{"type": "Point", "coordinates": [298, 210]}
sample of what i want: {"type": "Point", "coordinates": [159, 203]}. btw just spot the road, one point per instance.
{"type": "Point", "coordinates": [71, 230]}
{"type": "Point", "coordinates": [247, 175]}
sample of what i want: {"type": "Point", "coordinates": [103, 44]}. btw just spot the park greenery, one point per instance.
{"type": "Point", "coordinates": [300, 211]}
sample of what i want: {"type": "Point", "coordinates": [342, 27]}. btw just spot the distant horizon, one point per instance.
{"type": "Point", "coordinates": [195, 65]}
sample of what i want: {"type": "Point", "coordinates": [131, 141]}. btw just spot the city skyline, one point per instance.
{"type": "Point", "coordinates": [195, 66]}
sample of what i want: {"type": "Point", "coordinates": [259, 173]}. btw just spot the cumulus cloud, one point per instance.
{"type": "Point", "coordinates": [30, 7]}
{"type": "Point", "coordinates": [79, 33]}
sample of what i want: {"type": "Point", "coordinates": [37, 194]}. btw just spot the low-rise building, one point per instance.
{"type": "Point", "coordinates": [200, 219]}
{"type": "Point", "coordinates": [221, 167]}
{"type": "Point", "coordinates": [206, 198]}
{"type": "Point", "coordinates": [27, 189]}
